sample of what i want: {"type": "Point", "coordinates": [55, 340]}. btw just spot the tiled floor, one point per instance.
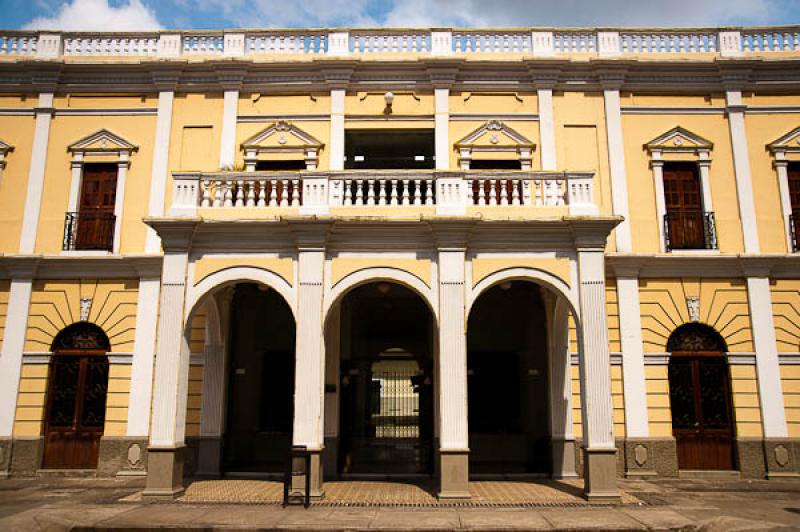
{"type": "Point", "coordinates": [380, 493]}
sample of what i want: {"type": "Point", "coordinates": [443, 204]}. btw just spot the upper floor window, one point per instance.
{"type": "Point", "coordinates": [395, 149]}
{"type": "Point", "coordinates": [786, 160]}
{"type": "Point", "coordinates": [680, 161]}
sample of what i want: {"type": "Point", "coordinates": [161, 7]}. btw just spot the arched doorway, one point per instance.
{"type": "Point", "coordinates": [700, 398]}
{"type": "Point", "coordinates": [260, 392]}
{"type": "Point", "coordinates": [507, 379]}
{"type": "Point", "coordinates": [76, 397]}
{"type": "Point", "coordinates": [386, 391]}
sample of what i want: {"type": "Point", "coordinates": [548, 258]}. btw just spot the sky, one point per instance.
{"type": "Point", "coordinates": [131, 15]}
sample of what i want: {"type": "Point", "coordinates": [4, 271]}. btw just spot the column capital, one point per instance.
{"type": "Point", "coordinates": [310, 234]}
{"type": "Point", "coordinates": [443, 74]}
{"type": "Point", "coordinates": [590, 234]}
{"type": "Point", "coordinates": [230, 77]}
{"type": "Point", "coordinates": [176, 234]}
{"type": "Point", "coordinates": [452, 234]}
{"type": "Point", "coordinates": [166, 80]}
{"type": "Point", "coordinates": [339, 77]}
{"type": "Point", "coordinates": [611, 79]}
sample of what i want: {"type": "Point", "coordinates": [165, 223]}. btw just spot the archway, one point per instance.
{"type": "Point", "coordinates": [700, 398]}
{"type": "Point", "coordinates": [76, 397]}
{"type": "Point", "coordinates": [260, 381]}
{"type": "Point", "coordinates": [508, 381]}
{"type": "Point", "coordinates": [384, 336]}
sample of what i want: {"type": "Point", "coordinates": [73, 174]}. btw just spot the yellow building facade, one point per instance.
{"type": "Point", "coordinates": [429, 253]}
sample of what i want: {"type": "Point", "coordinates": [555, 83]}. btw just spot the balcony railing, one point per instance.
{"type": "Point", "coordinates": [607, 42]}
{"type": "Point", "coordinates": [688, 229]}
{"type": "Point", "coordinates": [794, 228]}
{"type": "Point", "coordinates": [89, 231]}
{"type": "Point", "coordinates": [317, 192]}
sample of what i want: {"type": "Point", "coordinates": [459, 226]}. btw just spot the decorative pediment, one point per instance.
{"type": "Point", "coordinates": [102, 141]}
{"type": "Point", "coordinates": [789, 143]}
{"type": "Point", "coordinates": [679, 140]}
{"type": "Point", "coordinates": [494, 135]}
{"type": "Point", "coordinates": [281, 136]}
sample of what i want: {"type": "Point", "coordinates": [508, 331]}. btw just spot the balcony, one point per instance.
{"type": "Point", "coordinates": [383, 192]}
{"type": "Point", "coordinates": [89, 231]}
{"type": "Point", "coordinates": [688, 229]}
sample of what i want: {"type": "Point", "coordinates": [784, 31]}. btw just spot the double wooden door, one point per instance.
{"type": "Point", "coordinates": [684, 205]}
{"type": "Point", "coordinates": [702, 420]}
{"type": "Point", "coordinates": [76, 408]}
{"type": "Point", "coordinates": [95, 224]}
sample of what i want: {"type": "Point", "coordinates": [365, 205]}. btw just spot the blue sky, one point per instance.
{"type": "Point", "coordinates": [214, 14]}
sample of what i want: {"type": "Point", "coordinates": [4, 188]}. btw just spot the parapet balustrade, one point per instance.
{"type": "Point", "coordinates": [317, 192]}
{"type": "Point", "coordinates": [726, 42]}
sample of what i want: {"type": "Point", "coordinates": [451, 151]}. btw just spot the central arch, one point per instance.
{"type": "Point", "coordinates": [380, 366]}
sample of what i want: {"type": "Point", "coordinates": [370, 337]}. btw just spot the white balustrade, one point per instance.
{"type": "Point", "coordinates": [385, 189]}
{"type": "Point", "coordinates": [389, 41]}
{"type": "Point", "coordinates": [203, 44]}
{"type": "Point", "coordinates": [643, 42]}
{"type": "Point", "coordinates": [782, 40]}
{"type": "Point", "coordinates": [492, 42]}
{"type": "Point", "coordinates": [16, 44]}
{"type": "Point", "coordinates": [110, 45]}
{"type": "Point", "coordinates": [575, 41]}
{"type": "Point", "coordinates": [282, 43]}
{"type": "Point", "coordinates": [185, 194]}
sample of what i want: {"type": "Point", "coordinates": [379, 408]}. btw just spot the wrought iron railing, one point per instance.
{"type": "Point", "coordinates": [89, 231]}
{"type": "Point", "coordinates": [794, 229]}
{"type": "Point", "coordinates": [690, 229]}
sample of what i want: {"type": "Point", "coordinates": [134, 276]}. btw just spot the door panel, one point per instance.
{"type": "Point", "coordinates": [684, 205]}
{"type": "Point", "coordinates": [701, 412]}
{"type": "Point", "coordinates": [96, 214]}
{"type": "Point", "coordinates": [75, 419]}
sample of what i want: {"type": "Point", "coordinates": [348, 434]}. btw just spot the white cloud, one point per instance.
{"type": "Point", "coordinates": [98, 15]}
{"type": "Point", "coordinates": [289, 13]}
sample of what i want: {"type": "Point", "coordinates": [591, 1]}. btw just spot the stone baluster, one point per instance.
{"type": "Point", "coordinates": [393, 192]}
{"type": "Point", "coordinates": [515, 193]}
{"type": "Point", "coordinates": [382, 191]}
{"type": "Point", "coordinates": [206, 201]}
{"type": "Point", "coordinates": [503, 184]}
{"type": "Point", "coordinates": [482, 192]}
{"type": "Point", "coordinates": [429, 192]}
{"type": "Point", "coordinates": [405, 197]}
{"type": "Point", "coordinates": [370, 192]}
{"type": "Point", "coordinates": [262, 193]}
{"type": "Point", "coordinates": [295, 192]}
{"type": "Point", "coordinates": [284, 192]}
{"type": "Point", "coordinates": [360, 184]}
{"type": "Point", "coordinates": [227, 194]}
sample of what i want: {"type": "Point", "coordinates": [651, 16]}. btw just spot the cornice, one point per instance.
{"type": "Point", "coordinates": [708, 266]}
{"type": "Point", "coordinates": [60, 267]}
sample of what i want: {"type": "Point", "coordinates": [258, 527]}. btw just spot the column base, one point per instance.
{"type": "Point", "coordinates": [209, 456]}
{"type": "Point", "coordinates": [648, 457]}
{"type": "Point", "coordinates": [600, 475]}
{"type": "Point", "coordinates": [317, 487]}
{"type": "Point", "coordinates": [122, 456]}
{"type": "Point", "coordinates": [453, 474]}
{"type": "Point", "coordinates": [164, 473]}
{"type": "Point", "coordinates": [781, 456]}
{"type": "Point", "coordinates": [564, 458]}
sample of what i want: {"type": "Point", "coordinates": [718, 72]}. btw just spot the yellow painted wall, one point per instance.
{"type": "Point", "coordinates": [197, 335]}
{"type": "Point", "coordinates": [66, 130]}
{"type": "Point", "coordinates": [105, 101]}
{"type": "Point", "coordinates": [483, 267]}
{"type": "Point", "coordinates": [723, 306]}
{"type": "Point", "coordinates": [373, 103]}
{"type": "Point", "coordinates": [31, 400]}
{"type": "Point", "coordinates": [659, 415]}
{"type": "Point", "coordinates": [762, 130]}
{"type": "Point", "coordinates": [612, 311]}
{"type": "Point", "coordinates": [284, 104]}
{"type": "Point", "coordinates": [18, 132]}
{"type": "Point", "coordinates": [343, 266]}
{"type": "Point", "coordinates": [617, 401]}
{"type": "Point", "coordinates": [56, 304]}
{"type": "Point", "coordinates": [493, 102]}
{"type": "Point", "coordinates": [640, 129]}
{"type": "Point", "coordinates": [786, 314]}
{"type": "Point", "coordinates": [790, 380]}
{"type": "Point", "coordinates": [283, 267]}
{"type": "Point", "coordinates": [747, 411]}
{"type": "Point", "coordinates": [119, 386]}
{"type": "Point", "coordinates": [194, 401]}
{"type": "Point", "coordinates": [577, 417]}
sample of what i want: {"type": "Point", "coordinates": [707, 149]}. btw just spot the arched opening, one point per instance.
{"type": "Point", "coordinates": [260, 392]}
{"type": "Point", "coordinates": [508, 381]}
{"type": "Point", "coordinates": [76, 397]}
{"type": "Point", "coordinates": [700, 398]}
{"type": "Point", "coordinates": [384, 336]}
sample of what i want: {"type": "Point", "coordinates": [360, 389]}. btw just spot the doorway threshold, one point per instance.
{"type": "Point", "coordinates": [521, 477]}
{"type": "Point", "coordinates": [709, 474]}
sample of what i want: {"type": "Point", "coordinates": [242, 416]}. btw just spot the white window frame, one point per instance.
{"type": "Point", "coordinates": [691, 148]}
{"type": "Point", "coordinates": [784, 150]}
{"type": "Point", "coordinates": [253, 146]}
{"type": "Point", "coordinates": [102, 143]}
{"type": "Point", "coordinates": [523, 147]}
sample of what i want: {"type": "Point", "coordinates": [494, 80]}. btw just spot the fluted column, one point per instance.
{"type": "Point", "coordinates": [599, 451]}
{"type": "Point", "coordinates": [562, 434]}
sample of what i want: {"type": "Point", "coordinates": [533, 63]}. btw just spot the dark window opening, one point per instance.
{"type": "Point", "coordinates": [494, 164]}
{"type": "Point", "coordinates": [280, 166]}
{"type": "Point", "coordinates": [686, 224]}
{"type": "Point", "coordinates": [389, 150]}
{"type": "Point", "coordinates": [794, 201]}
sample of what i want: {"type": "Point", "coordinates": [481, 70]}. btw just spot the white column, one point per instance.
{"type": "Point", "coordinates": [158, 179]}
{"type": "Point", "coordinates": [452, 388]}
{"type": "Point", "coordinates": [310, 351]}
{"type": "Point", "coordinates": [633, 378]}
{"type": "Point", "coordinates": [337, 130]}
{"type": "Point", "coordinates": [19, 299]}
{"type": "Point", "coordinates": [741, 166]}
{"type": "Point", "coordinates": [616, 162]}
{"type": "Point", "coordinates": [144, 346]}
{"type": "Point", "coordinates": [770, 391]}
{"type": "Point", "coordinates": [704, 165]}
{"type": "Point", "coordinates": [657, 166]}
{"type": "Point", "coordinates": [547, 132]}
{"type": "Point", "coordinates": [76, 165]}
{"type": "Point", "coordinates": [230, 110]}
{"type": "Point", "coordinates": [782, 169]}
{"type": "Point", "coordinates": [595, 365]}
{"type": "Point", "coordinates": [33, 199]}
{"type": "Point", "coordinates": [442, 123]}
{"type": "Point", "coordinates": [119, 198]}
{"type": "Point", "coordinates": [172, 357]}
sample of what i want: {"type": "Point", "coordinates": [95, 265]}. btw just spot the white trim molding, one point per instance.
{"type": "Point", "coordinates": [518, 144]}
{"type": "Point", "coordinates": [782, 149]}
{"type": "Point", "coordinates": [741, 168]}
{"type": "Point", "coordinates": [144, 348]}
{"type": "Point", "coordinates": [547, 133]}
{"type": "Point", "coordinates": [158, 183]}
{"type": "Point", "coordinates": [102, 143]}
{"type": "Point", "coordinates": [308, 146]}
{"type": "Point", "coordinates": [19, 299]}
{"type": "Point", "coordinates": [336, 155]}
{"type": "Point", "coordinates": [36, 170]}
{"type": "Point", "coordinates": [227, 148]}
{"type": "Point", "coordinates": [683, 143]}
{"type": "Point", "coordinates": [616, 164]}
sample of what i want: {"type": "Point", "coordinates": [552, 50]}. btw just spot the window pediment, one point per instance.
{"type": "Point", "coordinates": [102, 141]}
{"type": "Point", "coordinates": [789, 143]}
{"type": "Point", "coordinates": [280, 137]}
{"type": "Point", "coordinates": [494, 135]}
{"type": "Point", "coordinates": [678, 140]}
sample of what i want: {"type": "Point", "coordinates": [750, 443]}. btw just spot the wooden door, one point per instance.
{"type": "Point", "coordinates": [76, 408]}
{"type": "Point", "coordinates": [794, 198]}
{"type": "Point", "coordinates": [95, 227]}
{"type": "Point", "coordinates": [684, 205]}
{"type": "Point", "coordinates": [702, 420]}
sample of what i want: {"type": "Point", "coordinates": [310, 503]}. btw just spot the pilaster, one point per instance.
{"type": "Point", "coordinates": [144, 345]}
{"type": "Point", "coordinates": [230, 109]}
{"type": "Point", "coordinates": [337, 129]}
{"type": "Point", "coordinates": [741, 166]}
{"type": "Point", "coordinates": [36, 171]}
{"type": "Point", "coordinates": [616, 161]}
{"type": "Point", "coordinates": [119, 199]}
{"type": "Point", "coordinates": [442, 124]}
{"type": "Point", "coordinates": [158, 179]}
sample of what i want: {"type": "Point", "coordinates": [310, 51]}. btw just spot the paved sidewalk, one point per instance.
{"type": "Point", "coordinates": [93, 504]}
